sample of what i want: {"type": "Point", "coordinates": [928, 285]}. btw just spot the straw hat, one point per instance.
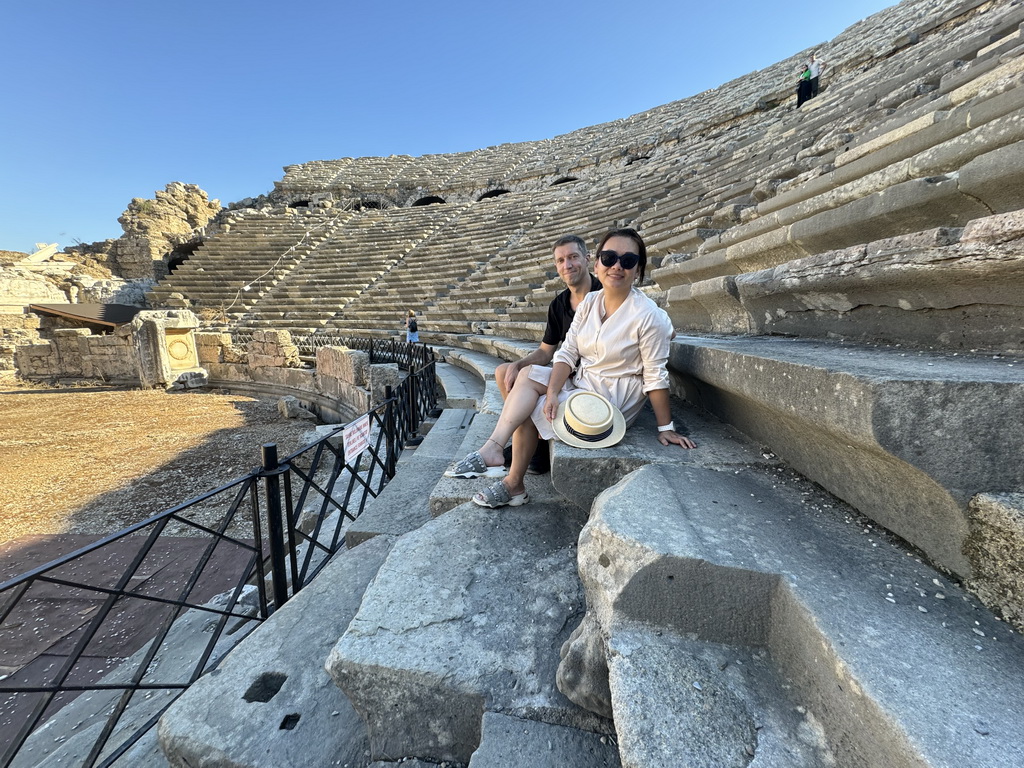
{"type": "Point", "coordinates": [588, 420]}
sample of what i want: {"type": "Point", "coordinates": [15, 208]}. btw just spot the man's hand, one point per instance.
{"type": "Point", "coordinates": [510, 374]}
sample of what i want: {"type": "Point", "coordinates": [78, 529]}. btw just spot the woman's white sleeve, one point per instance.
{"type": "Point", "coordinates": [656, 333]}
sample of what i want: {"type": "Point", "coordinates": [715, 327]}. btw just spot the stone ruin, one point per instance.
{"type": "Point", "coordinates": [833, 578]}
{"type": "Point", "coordinates": [158, 234]}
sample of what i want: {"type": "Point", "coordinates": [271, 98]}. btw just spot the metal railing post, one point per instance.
{"type": "Point", "coordinates": [390, 430]}
{"type": "Point", "coordinates": [271, 475]}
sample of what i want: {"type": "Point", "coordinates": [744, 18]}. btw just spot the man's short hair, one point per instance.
{"type": "Point", "coordinates": [574, 240]}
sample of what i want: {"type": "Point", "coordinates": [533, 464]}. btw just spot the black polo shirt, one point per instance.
{"type": "Point", "coordinates": [561, 313]}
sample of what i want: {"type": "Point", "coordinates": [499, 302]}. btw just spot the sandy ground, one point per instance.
{"type": "Point", "coordinates": [92, 462]}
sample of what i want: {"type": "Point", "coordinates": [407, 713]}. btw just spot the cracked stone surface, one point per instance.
{"type": "Point", "coordinates": [467, 615]}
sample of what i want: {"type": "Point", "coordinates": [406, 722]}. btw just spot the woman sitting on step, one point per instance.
{"type": "Point", "coordinates": [618, 346]}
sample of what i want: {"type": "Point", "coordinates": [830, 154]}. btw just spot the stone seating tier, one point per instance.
{"type": "Point", "coordinates": [808, 228]}
{"type": "Point", "coordinates": [876, 292]}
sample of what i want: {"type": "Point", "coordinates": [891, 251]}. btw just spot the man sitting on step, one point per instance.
{"type": "Point", "coordinates": [573, 264]}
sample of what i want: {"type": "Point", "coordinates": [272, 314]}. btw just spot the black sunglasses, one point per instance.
{"type": "Point", "coordinates": [627, 260]}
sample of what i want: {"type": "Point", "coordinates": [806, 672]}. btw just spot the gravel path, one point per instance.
{"type": "Point", "coordinates": [85, 461]}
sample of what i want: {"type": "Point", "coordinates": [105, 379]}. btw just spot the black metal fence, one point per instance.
{"type": "Point", "coordinates": [379, 350]}
{"type": "Point", "coordinates": [140, 615]}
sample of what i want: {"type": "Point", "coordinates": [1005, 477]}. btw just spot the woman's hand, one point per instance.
{"type": "Point", "coordinates": [551, 407]}
{"type": "Point", "coordinates": [671, 437]}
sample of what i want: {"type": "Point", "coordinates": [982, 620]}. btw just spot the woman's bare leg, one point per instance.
{"type": "Point", "coordinates": [518, 406]}
{"type": "Point", "coordinates": [524, 445]}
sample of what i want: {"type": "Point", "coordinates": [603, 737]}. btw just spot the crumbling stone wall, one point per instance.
{"type": "Point", "coordinates": [272, 349]}
{"type": "Point", "coordinates": [153, 228]}
{"type": "Point", "coordinates": [155, 349]}
{"type": "Point", "coordinates": [15, 331]}
{"type": "Point", "coordinates": [78, 353]}
{"type": "Point", "coordinates": [342, 385]}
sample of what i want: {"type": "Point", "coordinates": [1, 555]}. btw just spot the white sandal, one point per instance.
{"type": "Point", "coordinates": [497, 495]}
{"type": "Point", "coordinates": [473, 466]}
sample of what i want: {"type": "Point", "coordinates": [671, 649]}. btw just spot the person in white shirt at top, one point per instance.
{"type": "Point", "coordinates": [815, 68]}
{"type": "Point", "coordinates": [618, 346]}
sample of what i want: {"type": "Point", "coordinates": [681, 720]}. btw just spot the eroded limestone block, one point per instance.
{"type": "Point", "coordinates": [348, 365]}
{"type": "Point", "coordinates": [683, 566]}
{"type": "Point", "coordinates": [583, 671]}
{"type": "Point", "coordinates": [383, 375]}
{"type": "Point", "coordinates": [512, 741]}
{"type": "Point", "coordinates": [465, 616]}
{"type": "Point", "coordinates": [290, 408]}
{"type": "Point", "coordinates": [995, 546]}
{"type": "Point", "coordinates": [993, 230]}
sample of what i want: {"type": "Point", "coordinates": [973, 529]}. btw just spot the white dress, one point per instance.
{"type": "Point", "coordinates": [623, 357]}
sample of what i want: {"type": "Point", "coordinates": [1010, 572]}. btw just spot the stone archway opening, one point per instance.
{"type": "Point", "coordinates": [180, 255]}
{"type": "Point", "coordinates": [368, 205]}
{"type": "Point", "coordinates": [430, 200]}
{"type": "Point", "coordinates": [492, 193]}
{"type": "Point", "coordinates": [564, 180]}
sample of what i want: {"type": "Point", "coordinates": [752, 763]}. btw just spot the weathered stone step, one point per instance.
{"type": "Point", "coordinates": [406, 504]}
{"type": "Point", "coordinates": [511, 742]}
{"type": "Point", "coordinates": [845, 615]}
{"type": "Point", "coordinates": [470, 633]}
{"type": "Point", "coordinates": [951, 288]}
{"type": "Point", "coordinates": [271, 703]}
{"type": "Point", "coordinates": [679, 701]}
{"type": "Point", "coordinates": [907, 438]}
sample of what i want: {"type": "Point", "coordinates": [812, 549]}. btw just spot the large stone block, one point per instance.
{"type": "Point", "coordinates": [486, 601]}
{"type": "Point", "coordinates": [996, 548]}
{"type": "Point", "coordinates": [164, 346]}
{"type": "Point", "coordinates": [381, 376]}
{"type": "Point", "coordinates": [730, 603]}
{"type": "Point", "coordinates": [906, 439]}
{"type": "Point", "coordinates": [342, 363]}
{"type": "Point", "coordinates": [356, 398]}
{"type": "Point", "coordinates": [509, 742]}
{"type": "Point", "coordinates": [996, 178]}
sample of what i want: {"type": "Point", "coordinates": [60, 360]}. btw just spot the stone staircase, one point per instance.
{"type": "Point", "coordinates": [231, 272]}
{"type": "Point", "coordinates": [342, 268]}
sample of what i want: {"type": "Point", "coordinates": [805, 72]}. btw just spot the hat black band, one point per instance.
{"type": "Point", "coordinates": [588, 438]}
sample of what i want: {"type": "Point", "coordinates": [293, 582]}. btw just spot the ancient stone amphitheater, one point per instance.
{"type": "Point", "coordinates": [833, 578]}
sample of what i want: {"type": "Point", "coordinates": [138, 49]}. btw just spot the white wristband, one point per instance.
{"type": "Point", "coordinates": [670, 427]}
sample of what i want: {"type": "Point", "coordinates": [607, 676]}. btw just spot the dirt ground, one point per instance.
{"type": "Point", "coordinates": [84, 461]}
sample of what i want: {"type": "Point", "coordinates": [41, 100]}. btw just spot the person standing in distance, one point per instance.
{"type": "Point", "coordinates": [815, 67]}
{"type": "Point", "coordinates": [412, 330]}
{"type": "Point", "coordinates": [573, 264]}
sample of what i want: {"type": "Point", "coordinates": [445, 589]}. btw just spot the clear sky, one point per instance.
{"type": "Point", "coordinates": [111, 100]}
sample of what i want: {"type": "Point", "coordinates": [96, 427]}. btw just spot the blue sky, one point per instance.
{"type": "Point", "coordinates": [107, 101]}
